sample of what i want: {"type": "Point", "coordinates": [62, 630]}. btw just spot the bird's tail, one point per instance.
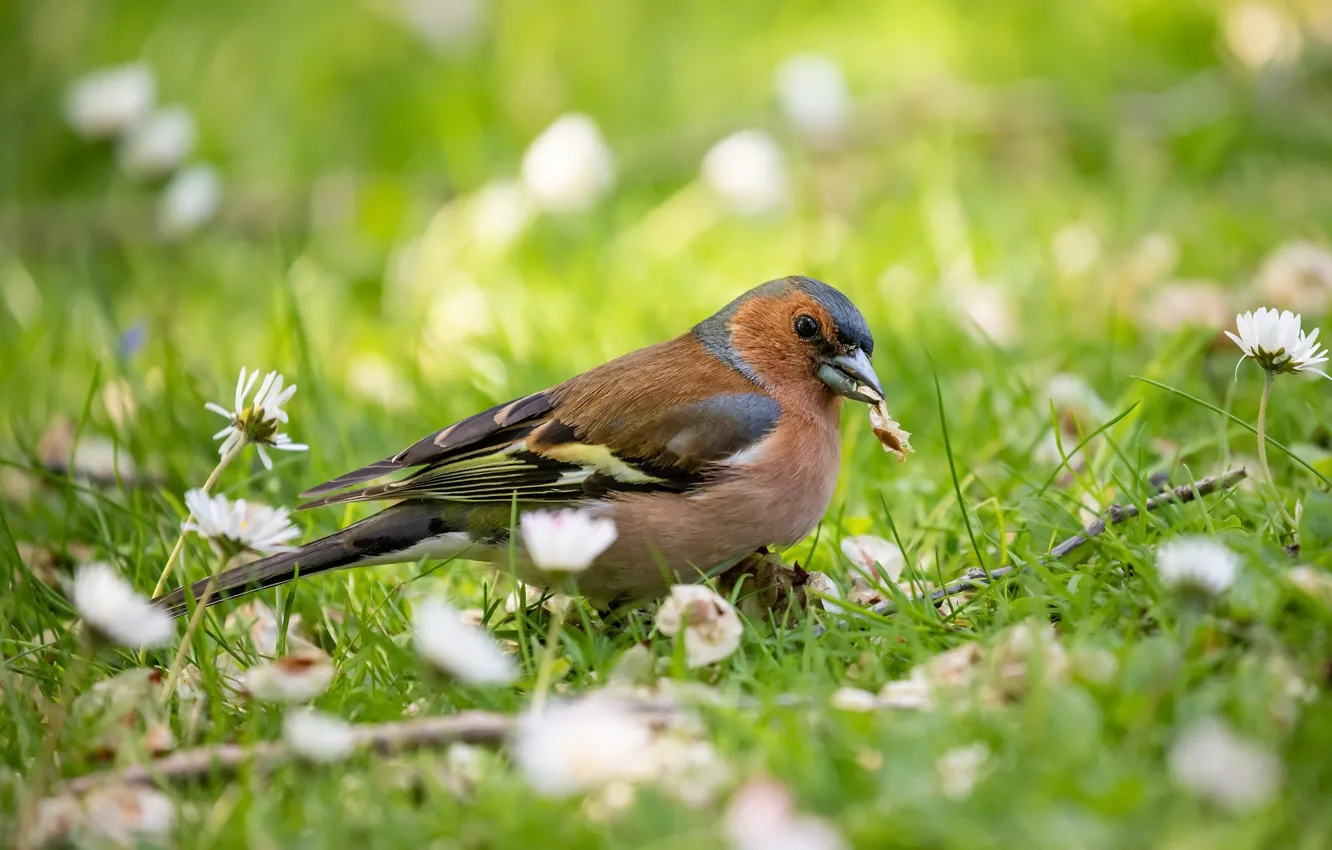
{"type": "Point", "coordinates": [400, 533]}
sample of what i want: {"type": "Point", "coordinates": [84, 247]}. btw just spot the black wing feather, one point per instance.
{"type": "Point", "coordinates": [518, 450]}
{"type": "Point", "coordinates": [444, 444]}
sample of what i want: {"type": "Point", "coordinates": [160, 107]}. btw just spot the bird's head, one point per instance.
{"type": "Point", "coordinates": [795, 329]}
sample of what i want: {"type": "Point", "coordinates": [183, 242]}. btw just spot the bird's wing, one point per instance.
{"type": "Point", "coordinates": [539, 449]}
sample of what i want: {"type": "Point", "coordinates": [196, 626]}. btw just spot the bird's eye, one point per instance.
{"type": "Point", "coordinates": [806, 327]}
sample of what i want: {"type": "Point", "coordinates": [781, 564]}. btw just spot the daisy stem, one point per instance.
{"type": "Point", "coordinates": [46, 766]}
{"type": "Point", "coordinates": [1262, 451]}
{"type": "Point", "coordinates": [178, 663]}
{"type": "Point", "coordinates": [547, 669]}
{"type": "Point", "coordinates": [180, 541]}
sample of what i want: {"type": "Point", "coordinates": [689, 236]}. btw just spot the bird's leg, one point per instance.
{"type": "Point", "coordinates": [766, 585]}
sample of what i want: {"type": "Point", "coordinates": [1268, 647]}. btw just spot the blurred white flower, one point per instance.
{"type": "Point", "coordinates": [712, 628]}
{"type": "Point", "coordinates": [295, 678]}
{"type": "Point", "coordinates": [1312, 581]}
{"type": "Point", "coordinates": [1197, 563]}
{"type": "Point", "coordinates": [568, 748]}
{"type": "Point", "coordinates": [1278, 343]}
{"type": "Point", "coordinates": [1095, 665]}
{"type": "Point", "coordinates": [240, 524]}
{"type": "Point", "coordinates": [189, 201]}
{"type": "Point", "coordinates": [372, 377]}
{"type": "Point", "coordinates": [1072, 394]}
{"type": "Point", "coordinates": [1154, 257]}
{"type": "Point", "coordinates": [115, 612]}
{"type": "Point", "coordinates": [874, 556]}
{"type": "Point", "coordinates": [747, 171]}
{"type": "Point", "coordinates": [820, 583]}
{"type": "Point", "coordinates": [158, 143]}
{"type": "Point", "coordinates": [1260, 35]}
{"type": "Point", "coordinates": [500, 212]}
{"type": "Point", "coordinates": [913, 694]}
{"type": "Point", "coordinates": [257, 423]}
{"type": "Point", "coordinates": [445, 24]}
{"type": "Point", "coordinates": [569, 167]}
{"type": "Point", "coordinates": [1076, 249]}
{"type": "Point", "coordinates": [317, 736]}
{"type": "Point", "coordinates": [986, 310]}
{"type": "Point", "coordinates": [127, 815]}
{"type": "Point", "coordinates": [812, 92]}
{"type": "Point", "coordinates": [565, 541]}
{"type": "Point", "coordinates": [100, 458]}
{"type": "Point", "coordinates": [1211, 761]}
{"type": "Point", "coordinates": [762, 816]}
{"type": "Point", "coordinates": [117, 397]}
{"type": "Point", "coordinates": [854, 699]}
{"type": "Point", "coordinates": [455, 647]}
{"type": "Point", "coordinates": [1298, 275]}
{"type": "Point", "coordinates": [960, 769]}
{"type": "Point", "coordinates": [1186, 303]}
{"type": "Point", "coordinates": [108, 101]}
{"type": "Point", "coordinates": [688, 769]}
{"type": "Point", "coordinates": [124, 715]}
{"type": "Point", "coordinates": [260, 625]}
{"type": "Point", "coordinates": [555, 603]}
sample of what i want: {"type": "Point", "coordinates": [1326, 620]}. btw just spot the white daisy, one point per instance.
{"type": "Point", "coordinates": [1197, 563]}
{"type": "Point", "coordinates": [115, 612]}
{"type": "Point", "coordinates": [874, 556]}
{"type": "Point", "coordinates": [568, 748]}
{"type": "Point", "coordinates": [257, 422]}
{"type": "Point", "coordinates": [1211, 761]}
{"type": "Point", "coordinates": [126, 815]}
{"type": "Point", "coordinates": [108, 101]}
{"type": "Point", "coordinates": [500, 211]}
{"type": "Point", "coordinates": [240, 524]}
{"type": "Point", "coordinates": [825, 587]}
{"type": "Point", "coordinates": [712, 628]}
{"type": "Point", "coordinates": [316, 736]}
{"type": "Point", "coordinates": [746, 170]}
{"type": "Point", "coordinates": [762, 816]}
{"type": "Point", "coordinates": [960, 769]}
{"type": "Point", "coordinates": [569, 167]}
{"type": "Point", "coordinates": [448, 642]}
{"type": "Point", "coordinates": [912, 694]}
{"type": "Point", "coordinates": [1278, 343]}
{"type": "Point", "coordinates": [159, 143]}
{"type": "Point", "coordinates": [189, 201]}
{"type": "Point", "coordinates": [812, 92]}
{"type": "Point", "coordinates": [1298, 275]}
{"type": "Point", "coordinates": [854, 700]}
{"type": "Point", "coordinates": [295, 678]}
{"type": "Point", "coordinates": [566, 541]}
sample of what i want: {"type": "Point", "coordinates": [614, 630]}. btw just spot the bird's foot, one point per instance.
{"type": "Point", "coordinates": [767, 587]}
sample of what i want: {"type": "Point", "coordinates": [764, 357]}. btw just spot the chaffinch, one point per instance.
{"type": "Point", "coordinates": [702, 449]}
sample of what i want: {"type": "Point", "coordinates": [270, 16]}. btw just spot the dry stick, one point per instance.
{"type": "Point", "coordinates": [975, 579]}
{"type": "Point", "coordinates": [472, 727]}
{"type": "Point", "coordinates": [469, 726]}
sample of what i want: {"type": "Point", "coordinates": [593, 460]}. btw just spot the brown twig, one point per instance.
{"type": "Point", "coordinates": [478, 727]}
{"type": "Point", "coordinates": [976, 579]}
{"type": "Point", "coordinates": [471, 727]}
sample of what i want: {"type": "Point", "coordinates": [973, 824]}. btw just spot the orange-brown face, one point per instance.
{"type": "Point", "coordinates": [790, 337]}
{"type": "Point", "coordinates": [784, 338]}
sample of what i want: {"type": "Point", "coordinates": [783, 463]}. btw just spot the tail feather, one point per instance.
{"type": "Point", "coordinates": [392, 535]}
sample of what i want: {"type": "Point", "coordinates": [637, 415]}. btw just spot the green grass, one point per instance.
{"type": "Point", "coordinates": [289, 98]}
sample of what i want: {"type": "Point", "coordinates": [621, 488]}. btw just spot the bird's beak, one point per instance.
{"type": "Point", "coordinates": [845, 372]}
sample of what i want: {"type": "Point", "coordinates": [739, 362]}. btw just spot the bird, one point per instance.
{"type": "Point", "coordinates": [703, 449]}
